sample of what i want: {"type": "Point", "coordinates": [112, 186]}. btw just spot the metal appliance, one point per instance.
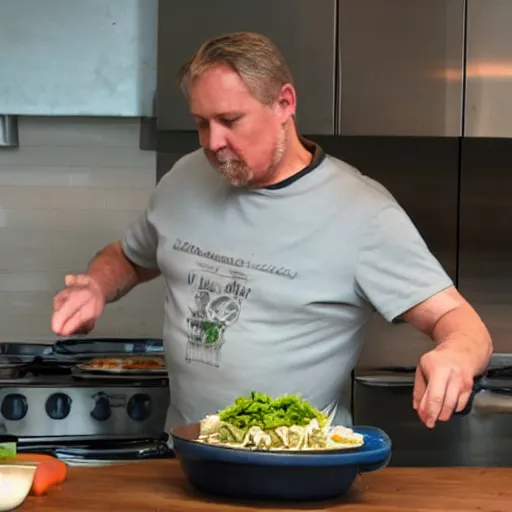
{"type": "Point", "coordinates": [478, 437]}
{"type": "Point", "coordinates": [49, 404]}
{"type": "Point", "coordinates": [416, 95]}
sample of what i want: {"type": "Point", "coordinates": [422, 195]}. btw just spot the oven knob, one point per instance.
{"type": "Point", "coordinates": [101, 410]}
{"type": "Point", "coordinates": [139, 407]}
{"type": "Point", "coordinates": [14, 407]}
{"type": "Point", "coordinates": [58, 406]}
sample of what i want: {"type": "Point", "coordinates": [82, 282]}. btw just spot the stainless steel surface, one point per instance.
{"type": "Point", "coordinates": [8, 371]}
{"type": "Point", "coordinates": [485, 266]}
{"type": "Point", "coordinates": [489, 69]}
{"type": "Point", "coordinates": [304, 31]}
{"type": "Point", "coordinates": [81, 401]}
{"type": "Point", "coordinates": [386, 381]}
{"type": "Point", "coordinates": [482, 438]}
{"type": "Point", "coordinates": [401, 67]}
{"type": "Point", "coordinates": [492, 402]}
{"type": "Point", "coordinates": [9, 131]}
{"type": "Point", "coordinates": [88, 347]}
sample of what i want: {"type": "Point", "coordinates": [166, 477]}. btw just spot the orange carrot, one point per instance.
{"type": "Point", "coordinates": [50, 471]}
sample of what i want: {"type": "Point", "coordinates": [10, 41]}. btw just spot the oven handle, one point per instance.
{"type": "Point", "coordinates": [488, 401]}
{"type": "Point", "coordinates": [482, 401]}
{"type": "Point", "coordinates": [398, 380]}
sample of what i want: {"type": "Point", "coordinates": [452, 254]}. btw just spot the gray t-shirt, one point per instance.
{"type": "Point", "coordinates": [272, 289]}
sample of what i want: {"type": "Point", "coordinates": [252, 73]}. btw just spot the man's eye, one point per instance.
{"type": "Point", "coordinates": [230, 122]}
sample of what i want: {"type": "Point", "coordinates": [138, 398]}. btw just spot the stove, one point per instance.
{"type": "Point", "coordinates": [48, 403]}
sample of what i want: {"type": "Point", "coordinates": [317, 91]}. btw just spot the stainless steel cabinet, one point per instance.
{"type": "Point", "coordinates": [485, 259]}
{"type": "Point", "coordinates": [401, 67]}
{"type": "Point", "coordinates": [304, 31]}
{"type": "Point", "coordinates": [489, 69]}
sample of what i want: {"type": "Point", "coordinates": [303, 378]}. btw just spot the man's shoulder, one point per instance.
{"type": "Point", "coordinates": [188, 164]}
{"type": "Point", "coordinates": [189, 173]}
{"type": "Point", "coordinates": [352, 183]}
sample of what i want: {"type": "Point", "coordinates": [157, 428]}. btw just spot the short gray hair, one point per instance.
{"type": "Point", "coordinates": [252, 56]}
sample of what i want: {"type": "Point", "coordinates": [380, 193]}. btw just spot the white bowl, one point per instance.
{"type": "Point", "coordinates": [15, 484]}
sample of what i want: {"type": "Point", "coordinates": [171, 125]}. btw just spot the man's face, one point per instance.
{"type": "Point", "coordinates": [242, 138]}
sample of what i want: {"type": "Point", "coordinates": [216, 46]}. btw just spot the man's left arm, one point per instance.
{"type": "Point", "coordinates": [445, 375]}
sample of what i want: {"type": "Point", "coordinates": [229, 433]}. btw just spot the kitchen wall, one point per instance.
{"type": "Point", "coordinates": [72, 186]}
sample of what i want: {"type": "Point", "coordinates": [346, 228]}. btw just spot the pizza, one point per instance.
{"type": "Point", "coordinates": [144, 363]}
{"type": "Point", "coordinates": [104, 364]}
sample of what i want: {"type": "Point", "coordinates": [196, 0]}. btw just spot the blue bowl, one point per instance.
{"type": "Point", "coordinates": [277, 476]}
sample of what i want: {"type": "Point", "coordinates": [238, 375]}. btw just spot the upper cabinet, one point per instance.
{"type": "Point", "coordinates": [303, 30]}
{"type": "Point", "coordinates": [401, 69]}
{"type": "Point", "coordinates": [489, 69]}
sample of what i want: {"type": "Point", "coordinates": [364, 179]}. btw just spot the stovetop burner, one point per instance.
{"type": "Point", "coordinates": [34, 362]}
{"type": "Point", "coordinates": [38, 367]}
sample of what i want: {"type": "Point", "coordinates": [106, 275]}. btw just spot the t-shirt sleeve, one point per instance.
{"type": "Point", "coordinates": [140, 242]}
{"type": "Point", "coordinates": [395, 269]}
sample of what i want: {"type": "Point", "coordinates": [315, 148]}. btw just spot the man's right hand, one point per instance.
{"type": "Point", "coordinates": [77, 307]}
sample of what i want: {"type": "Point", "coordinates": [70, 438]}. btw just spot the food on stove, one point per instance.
{"type": "Point", "coordinates": [125, 363]}
{"type": "Point", "coordinates": [144, 363]}
{"type": "Point", "coordinates": [50, 471]}
{"type": "Point", "coordinates": [260, 422]}
{"type": "Point", "coordinates": [103, 364]}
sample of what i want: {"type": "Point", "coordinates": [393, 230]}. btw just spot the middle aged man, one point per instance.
{"type": "Point", "coordinates": [274, 264]}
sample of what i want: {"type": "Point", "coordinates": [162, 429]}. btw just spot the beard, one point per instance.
{"type": "Point", "coordinates": [238, 172]}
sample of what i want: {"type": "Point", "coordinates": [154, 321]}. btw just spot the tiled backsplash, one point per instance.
{"type": "Point", "coordinates": [73, 186]}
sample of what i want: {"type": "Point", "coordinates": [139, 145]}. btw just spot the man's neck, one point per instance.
{"type": "Point", "coordinates": [295, 158]}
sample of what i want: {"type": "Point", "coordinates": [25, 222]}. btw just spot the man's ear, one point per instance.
{"type": "Point", "coordinates": [286, 102]}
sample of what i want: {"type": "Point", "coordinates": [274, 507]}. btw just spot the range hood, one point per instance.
{"type": "Point", "coordinates": [89, 58]}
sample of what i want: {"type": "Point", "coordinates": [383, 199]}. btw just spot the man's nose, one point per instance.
{"type": "Point", "coordinates": [216, 137]}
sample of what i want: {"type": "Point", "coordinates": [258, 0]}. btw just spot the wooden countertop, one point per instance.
{"type": "Point", "coordinates": [159, 486]}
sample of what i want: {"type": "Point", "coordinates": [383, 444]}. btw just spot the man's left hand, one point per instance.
{"type": "Point", "coordinates": [443, 384]}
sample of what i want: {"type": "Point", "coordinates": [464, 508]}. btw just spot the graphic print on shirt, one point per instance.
{"type": "Point", "coordinates": [217, 295]}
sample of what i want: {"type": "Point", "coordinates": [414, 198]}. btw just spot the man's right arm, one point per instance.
{"type": "Point", "coordinates": [115, 274]}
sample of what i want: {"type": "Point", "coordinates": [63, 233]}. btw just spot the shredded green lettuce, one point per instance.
{"type": "Point", "coordinates": [7, 450]}
{"type": "Point", "coordinates": [263, 411]}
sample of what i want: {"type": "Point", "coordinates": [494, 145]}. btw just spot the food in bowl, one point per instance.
{"type": "Point", "coordinates": [260, 422]}
{"type": "Point", "coordinates": [15, 483]}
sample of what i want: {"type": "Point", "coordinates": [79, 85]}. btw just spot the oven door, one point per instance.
{"type": "Point", "coordinates": [482, 437]}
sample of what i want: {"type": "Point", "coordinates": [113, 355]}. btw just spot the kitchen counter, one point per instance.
{"type": "Point", "coordinates": [159, 486]}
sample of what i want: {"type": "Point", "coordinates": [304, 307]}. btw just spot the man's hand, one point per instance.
{"type": "Point", "coordinates": [443, 384]}
{"type": "Point", "coordinates": [77, 307]}
{"type": "Point", "coordinates": [445, 375]}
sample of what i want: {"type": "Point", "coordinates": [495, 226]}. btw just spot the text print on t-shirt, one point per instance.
{"type": "Point", "coordinates": [189, 248]}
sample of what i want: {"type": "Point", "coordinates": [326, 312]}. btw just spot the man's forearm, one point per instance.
{"type": "Point", "coordinates": [112, 271]}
